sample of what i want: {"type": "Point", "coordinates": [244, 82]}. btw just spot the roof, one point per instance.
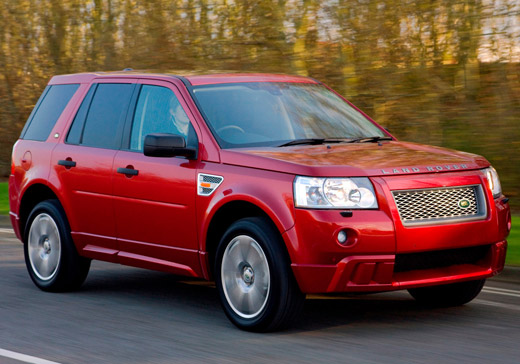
{"type": "Point", "coordinates": [195, 80]}
{"type": "Point", "coordinates": [245, 77]}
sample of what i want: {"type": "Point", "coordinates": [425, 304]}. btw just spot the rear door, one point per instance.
{"type": "Point", "coordinates": [83, 166]}
{"type": "Point", "coordinates": [155, 197]}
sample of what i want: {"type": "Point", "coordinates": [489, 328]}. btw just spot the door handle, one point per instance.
{"type": "Point", "coordinates": [128, 171]}
{"type": "Point", "coordinates": [67, 163]}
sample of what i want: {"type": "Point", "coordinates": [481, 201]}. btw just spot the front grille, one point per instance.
{"type": "Point", "coordinates": [440, 205]}
{"type": "Point", "coordinates": [439, 258]}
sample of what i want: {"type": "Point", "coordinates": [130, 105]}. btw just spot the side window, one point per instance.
{"type": "Point", "coordinates": [47, 111]}
{"type": "Point", "coordinates": [106, 115]}
{"type": "Point", "coordinates": [101, 115]}
{"type": "Point", "coordinates": [74, 136]}
{"type": "Point", "coordinates": [159, 111]}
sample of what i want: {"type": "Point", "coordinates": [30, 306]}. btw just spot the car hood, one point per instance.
{"type": "Point", "coordinates": [355, 159]}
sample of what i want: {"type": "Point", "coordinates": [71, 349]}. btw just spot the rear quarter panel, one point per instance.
{"type": "Point", "coordinates": [31, 159]}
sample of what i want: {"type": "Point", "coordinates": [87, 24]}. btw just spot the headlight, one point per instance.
{"type": "Point", "coordinates": [493, 181]}
{"type": "Point", "coordinates": [332, 193]}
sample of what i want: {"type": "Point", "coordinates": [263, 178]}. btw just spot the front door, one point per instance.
{"type": "Point", "coordinates": [155, 197]}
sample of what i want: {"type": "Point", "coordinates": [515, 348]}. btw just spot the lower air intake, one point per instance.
{"type": "Point", "coordinates": [439, 258]}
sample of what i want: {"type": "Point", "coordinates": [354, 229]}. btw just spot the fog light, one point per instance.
{"type": "Point", "coordinates": [342, 237]}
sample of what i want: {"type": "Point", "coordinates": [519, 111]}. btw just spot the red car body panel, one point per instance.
{"type": "Point", "coordinates": [86, 192]}
{"type": "Point", "coordinates": [30, 165]}
{"type": "Point", "coordinates": [155, 214]}
{"type": "Point", "coordinates": [157, 220]}
{"type": "Point", "coordinates": [363, 159]}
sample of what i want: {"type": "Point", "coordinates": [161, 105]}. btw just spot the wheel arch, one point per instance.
{"type": "Point", "coordinates": [225, 215]}
{"type": "Point", "coordinates": [33, 195]}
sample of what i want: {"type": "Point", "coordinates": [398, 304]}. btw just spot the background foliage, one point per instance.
{"type": "Point", "coordinates": [442, 72]}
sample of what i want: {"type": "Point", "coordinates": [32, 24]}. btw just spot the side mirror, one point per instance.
{"type": "Point", "coordinates": [167, 145]}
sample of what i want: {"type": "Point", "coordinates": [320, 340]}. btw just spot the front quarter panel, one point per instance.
{"type": "Point", "coordinates": [270, 191]}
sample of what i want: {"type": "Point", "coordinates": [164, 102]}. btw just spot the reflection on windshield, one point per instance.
{"type": "Point", "coordinates": [269, 114]}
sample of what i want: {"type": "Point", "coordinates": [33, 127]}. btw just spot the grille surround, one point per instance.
{"type": "Point", "coordinates": [440, 205]}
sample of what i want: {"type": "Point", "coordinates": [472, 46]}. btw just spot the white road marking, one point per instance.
{"type": "Point", "coordinates": [7, 231]}
{"type": "Point", "coordinates": [502, 291]}
{"type": "Point", "coordinates": [24, 358]}
{"type": "Point", "coordinates": [497, 304]}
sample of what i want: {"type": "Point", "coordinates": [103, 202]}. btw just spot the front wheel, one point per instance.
{"type": "Point", "coordinates": [447, 295]}
{"type": "Point", "coordinates": [254, 279]}
{"type": "Point", "coordinates": [50, 255]}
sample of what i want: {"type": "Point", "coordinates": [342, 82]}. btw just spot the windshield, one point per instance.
{"type": "Point", "coordinates": [272, 114]}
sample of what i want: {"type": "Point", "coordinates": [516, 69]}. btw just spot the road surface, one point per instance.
{"type": "Point", "coordinates": [127, 315]}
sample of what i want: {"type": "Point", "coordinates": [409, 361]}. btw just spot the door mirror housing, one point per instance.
{"type": "Point", "coordinates": [166, 146]}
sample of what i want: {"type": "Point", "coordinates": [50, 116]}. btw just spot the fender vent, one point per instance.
{"type": "Point", "coordinates": [207, 184]}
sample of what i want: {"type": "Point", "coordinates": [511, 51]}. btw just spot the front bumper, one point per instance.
{"type": "Point", "coordinates": [378, 243]}
{"type": "Point", "coordinates": [375, 273]}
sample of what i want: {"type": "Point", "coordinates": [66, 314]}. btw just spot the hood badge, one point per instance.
{"type": "Point", "coordinates": [464, 203]}
{"type": "Point", "coordinates": [444, 168]}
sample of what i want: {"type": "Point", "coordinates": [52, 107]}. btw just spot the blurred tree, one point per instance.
{"type": "Point", "coordinates": [444, 72]}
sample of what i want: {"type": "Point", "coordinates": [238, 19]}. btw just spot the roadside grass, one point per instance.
{"type": "Point", "coordinates": [513, 250]}
{"type": "Point", "coordinates": [4, 199]}
{"type": "Point", "coordinates": [513, 243]}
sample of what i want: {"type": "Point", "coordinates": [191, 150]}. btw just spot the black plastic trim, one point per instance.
{"type": "Point", "coordinates": [128, 171]}
{"type": "Point", "coordinates": [66, 163]}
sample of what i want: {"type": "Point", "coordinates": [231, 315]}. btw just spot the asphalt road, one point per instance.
{"type": "Point", "coordinates": [127, 315]}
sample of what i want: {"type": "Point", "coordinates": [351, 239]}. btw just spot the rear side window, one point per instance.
{"type": "Point", "coordinates": [47, 111]}
{"type": "Point", "coordinates": [100, 119]}
{"type": "Point", "coordinates": [74, 136]}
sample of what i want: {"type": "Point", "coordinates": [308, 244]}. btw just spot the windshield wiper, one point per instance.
{"type": "Point", "coordinates": [372, 139]}
{"type": "Point", "coordinates": [317, 141]}
{"type": "Point", "coordinates": [313, 141]}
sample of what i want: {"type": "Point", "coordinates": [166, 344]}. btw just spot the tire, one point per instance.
{"type": "Point", "coordinates": [50, 255]}
{"type": "Point", "coordinates": [254, 279]}
{"type": "Point", "coordinates": [447, 295]}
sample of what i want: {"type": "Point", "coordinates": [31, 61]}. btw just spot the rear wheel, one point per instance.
{"type": "Point", "coordinates": [254, 279]}
{"type": "Point", "coordinates": [50, 255]}
{"type": "Point", "coordinates": [446, 295]}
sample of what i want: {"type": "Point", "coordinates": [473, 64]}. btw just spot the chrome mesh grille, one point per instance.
{"type": "Point", "coordinates": [211, 179]}
{"type": "Point", "coordinates": [206, 191]}
{"type": "Point", "coordinates": [440, 204]}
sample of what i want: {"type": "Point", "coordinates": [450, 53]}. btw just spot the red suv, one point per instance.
{"type": "Point", "coordinates": [274, 186]}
